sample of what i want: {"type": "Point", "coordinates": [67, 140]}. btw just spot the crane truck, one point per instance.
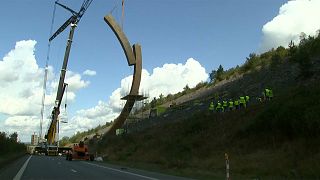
{"type": "Point", "coordinates": [52, 144]}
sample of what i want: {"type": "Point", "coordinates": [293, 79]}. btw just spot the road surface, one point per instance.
{"type": "Point", "coordinates": [55, 167]}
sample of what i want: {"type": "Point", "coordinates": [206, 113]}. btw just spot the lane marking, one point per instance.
{"type": "Point", "coordinates": [146, 177]}
{"type": "Point", "coordinates": [73, 170]}
{"type": "Point", "coordinates": [20, 172]}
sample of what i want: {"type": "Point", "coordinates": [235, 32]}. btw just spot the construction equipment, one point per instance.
{"type": "Point", "coordinates": [80, 152]}
{"type": "Point", "coordinates": [53, 129]}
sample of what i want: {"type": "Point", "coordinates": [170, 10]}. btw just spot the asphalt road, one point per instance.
{"type": "Point", "coordinates": [48, 167]}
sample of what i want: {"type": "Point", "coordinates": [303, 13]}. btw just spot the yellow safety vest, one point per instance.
{"type": "Point", "coordinates": [211, 107]}
{"type": "Point", "coordinates": [231, 104]}
{"type": "Point", "coordinates": [242, 100]}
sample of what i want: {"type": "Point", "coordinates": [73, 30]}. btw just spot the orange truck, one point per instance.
{"type": "Point", "coordinates": [79, 152]}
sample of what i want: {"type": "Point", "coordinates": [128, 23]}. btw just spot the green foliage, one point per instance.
{"type": "Point", "coordinates": [64, 141]}
{"type": "Point", "coordinates": [161, 110]}
{"type": "Point", "coordinates": [295, 115]}
{"type": "Point", "coordinates": [9, 144]}
{"type": "Point", "coordinates": [212, 75]}
{"type": "Point", "coordinates": [278, 56]}
{"type": "Point", "coordinates": [251, 62]}
{"type": "Point", "coordinates": [219, 73]}
{"type": "Point", "coordinates": [309, 47]}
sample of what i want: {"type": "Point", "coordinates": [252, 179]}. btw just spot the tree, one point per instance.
{"type": "Point", "coordinates": [14, 137]}
{"type": "Point", "coordinates": [161, 99]}
{"type": "Point", "coordinates": [292, 48]}
{"type": "Point", "coordinates": [64, 141]}
{"type": "Point", "coordinates": [250, 63]}
{"type": "Point", "coordinates": [212, 75]}
{"type": "Point", "coordinates": [219, 73]}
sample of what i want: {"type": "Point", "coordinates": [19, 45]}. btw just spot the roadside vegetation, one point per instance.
{"type": "Point", "coordinates": [10, 148]}
{"type": "Point", "coordinates": [80, 135]}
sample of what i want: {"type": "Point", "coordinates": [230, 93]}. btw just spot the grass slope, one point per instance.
{"type": "Point", "coordinates": [277, 139]}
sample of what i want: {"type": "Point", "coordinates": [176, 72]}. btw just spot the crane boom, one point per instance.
{"type": "Point", "coordinates": [73, 20]}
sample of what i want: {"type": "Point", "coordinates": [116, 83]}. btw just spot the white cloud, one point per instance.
{"type": "Point", "coordinates": [168, 79]}
{"type": "Point", "coordinates": [89, 72]}
{"type": "Point", "coordinates": [88, 118]}
{"type": "Point", "coordinates": [75, 82]}
{"type": "Point", "coordinates": [294, 17]}
{"type": "Point", "coordinates": [21, 82]}
{"type": "Point", "coordinates": [23, 125]}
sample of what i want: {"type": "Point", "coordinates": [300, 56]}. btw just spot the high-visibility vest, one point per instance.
{"type": "Point", "coordinates": [218, 106]}
{"type": "Point", "coordinates": [270, 93]}
{"type": "Point", "coordinates": [267, 92]}
{"type": "Point", "coordinates": [225, 103]}
{"type": "Point", "coordinates": [211, 107]}
{"type": "Point", "coordinates": [230, 104]}
{"type": "Point", "coordinates": [242, 100]}
{"type": "Point", "coordinates": [236, 102]}
{"type": "Point", "coordinates": [247, 98]}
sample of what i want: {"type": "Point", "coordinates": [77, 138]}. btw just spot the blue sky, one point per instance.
{"type": "Point", "coordinates": [212, 32]}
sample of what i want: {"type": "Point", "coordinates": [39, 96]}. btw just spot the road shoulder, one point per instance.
{"type": "Point", "coordinates": [10, 169]}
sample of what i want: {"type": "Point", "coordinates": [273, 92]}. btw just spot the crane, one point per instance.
{"type": "Point", "coordinates": [72, 21]}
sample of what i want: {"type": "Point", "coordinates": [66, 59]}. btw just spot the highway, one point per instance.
{"type": "Point", "coordinates": [48, 167]}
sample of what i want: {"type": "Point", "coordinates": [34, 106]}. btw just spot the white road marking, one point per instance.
{"type": "Point", "coordinates": [73, 170]}
{"type": "Point", "coordinates": [146, 177]}
{"type": "Point", "coordinates": [20, 172]}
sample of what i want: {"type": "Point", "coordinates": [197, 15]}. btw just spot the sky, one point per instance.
{"type": "Point", "coordinates": [182, 42]}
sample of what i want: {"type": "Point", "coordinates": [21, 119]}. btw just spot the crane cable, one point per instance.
{"type": "Point", "coordinates": [46, 72]}
{"type": "Point", "coordinates": [122, 14]}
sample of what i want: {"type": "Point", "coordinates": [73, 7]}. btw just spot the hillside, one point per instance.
{"type": "Point", "coordinates": [276, 139]}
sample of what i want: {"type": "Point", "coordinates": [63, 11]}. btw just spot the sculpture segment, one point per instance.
{"type": "Point", "coordinates": [134, 57]}
{"type": "Point", "coordinates": [121, 38]}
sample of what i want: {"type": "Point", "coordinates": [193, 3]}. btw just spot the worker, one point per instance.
{"type": "Point", "coordinates": [260, 99]}
{"type": "Point", "coordinates": [267, 94]}
{"type": "Point", "coordinates": [242, 102]}
{"type": "Point", "coordinates": [247, 99]}
{"type": "Point", "coordinates": [264, 95]}
{"type": "Point", "coordinates": [270, 94]}
{"type": "Point", "coordinates": [225, 105]}
{"type": "Point", "coordinates": [236, 104]}
{"type": "Point", "coordinates": [219, 107]}
{"type": "Point", "coordinates": [230, 105]}
{"type": "Point", "coordinates": [211, 107]}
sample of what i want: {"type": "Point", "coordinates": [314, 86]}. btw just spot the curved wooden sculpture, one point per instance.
{"type": "Point", "coordinates": [134, 57]}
